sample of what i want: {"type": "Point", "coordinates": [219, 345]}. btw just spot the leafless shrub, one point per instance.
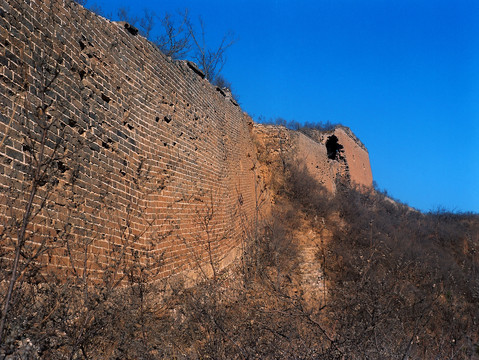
{"type": "Point", "coordinates": [34, 176]}
{"type": "Point", "coordinates": [210, 60]}
{"type": "Point", "coordinates": [179, 37]}
{"type": "Point", "coordinates": [175, 40]}
{"type": "Point", "coordinates": [304, 190]}
{"type": "Point", "coordinates": [74, 313]}
{"type": "Point", "coordinates": [305, 128]}
{"type": "Point", "coordinates": [400, 280]}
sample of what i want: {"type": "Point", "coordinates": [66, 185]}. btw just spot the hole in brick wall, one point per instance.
{"type": "Point", "coordinates": [72, 122]}
{"type": "Point", "coordinates": [165, 144]}
{"type": "Point", "coordinates": [122, 172]}
{"type": "Point", "coordinates": [128, 125]}
{"type": "Point", "coordinates": [41, 182]}
{"type": "Point", "coordinates": [61, 166]}
{"type": "Point", "coordinates": [82, 74]}
{"type": "Point", "coordinates": [174, 143]}
{"type": "Point", "coordinates": [167, 119]}
{"type": "Point", "coordinates": [105, 145]}
{"type": "Point", "coordinates": [81, 131]}
{"type": "Point", "coordinates": [82, 45]}
{"type": "Point", "coordinates": [131, 29]}
{"type": "Point", "coordinates": [157, 119]}
{"type": "Point", "coordinates": [105, 98]}
{"type": "Point", "coordinates": [27, 148]}
{"type": "Point", "coordinates": [334, 148]}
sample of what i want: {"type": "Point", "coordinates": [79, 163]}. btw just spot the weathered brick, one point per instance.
{"type": "Point", "coordinates": [14, 154]}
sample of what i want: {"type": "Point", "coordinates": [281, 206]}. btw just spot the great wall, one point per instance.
{"type": "Point", "coordinates": [126, 146]}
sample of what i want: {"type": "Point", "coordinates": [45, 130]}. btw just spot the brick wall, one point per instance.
{"type": "Point", "coordinates": [142, 156]}
{"type": "Point", "coordinates": [352, 161]}
{"type": "Point", "coordinates": [133, 158]}
{"type": "Point", "coordinates": [356, 157]}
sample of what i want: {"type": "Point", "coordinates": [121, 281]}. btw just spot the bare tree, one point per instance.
{"type": "Point", "coordinates": [123, 14]}
{"type": "Point", "coordinates": [210, 60]}
{"type": "Point", "coordinates": [147, 23]}
{"type": "Point", "coordinates": [182, 39]}
{"type": "Point", "coordinates": [40, 167]}
{"type": "Point", "coordinates": [175, 39]}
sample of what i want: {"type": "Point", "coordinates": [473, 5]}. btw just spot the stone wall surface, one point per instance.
{"type": "Point", "coordinates": [356, 157]}
{"type": "Point", "coordinates": [309, 149]}
{"type": "Point", "coordinates": [141, 154]}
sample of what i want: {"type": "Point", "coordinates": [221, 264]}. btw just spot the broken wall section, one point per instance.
{"type": "Point", "coordinates": [328, 156]}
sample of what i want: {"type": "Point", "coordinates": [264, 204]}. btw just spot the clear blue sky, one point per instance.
{"type": "Point", "coordinates": [402, 74]}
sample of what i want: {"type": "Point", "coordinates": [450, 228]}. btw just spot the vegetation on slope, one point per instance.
{"type": "Point", "coordinates": [400, 285]}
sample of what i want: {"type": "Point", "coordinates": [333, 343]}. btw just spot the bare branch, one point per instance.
{"type": "Point", "coordinates": [175, 40]}
{"type": "Point", "coordinates": [211, 61]}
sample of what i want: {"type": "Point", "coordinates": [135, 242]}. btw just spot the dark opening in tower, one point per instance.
{"type": "Point", "coordinates": [333, 148]}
